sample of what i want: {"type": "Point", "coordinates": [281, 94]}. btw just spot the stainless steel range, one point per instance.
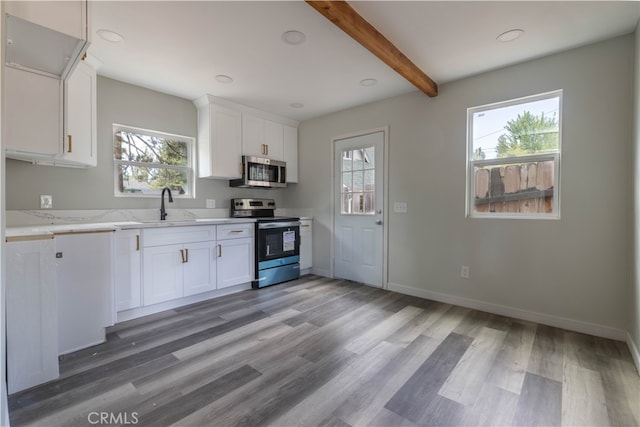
{"type": "Point", "coordinates": [277, 251]}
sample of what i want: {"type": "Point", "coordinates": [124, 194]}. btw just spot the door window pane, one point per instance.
{"type": "Point", "coordinates": [369, 155]}
{"type": "Point", "coordinates": [358, 181]}
{"type": "Point", "coordinates": [346, 160]}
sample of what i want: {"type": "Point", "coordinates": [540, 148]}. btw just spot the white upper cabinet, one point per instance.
{"type": "Point", "coordinates": [262, 138]}
{"type": "Point", "coordinates": [219, 140]}
{"type": "Point", "coordinates": [46, 37]}
{"type": "Point", "coordinates": [79, 144]}
{"type": "Point", "coordinates": [227, 131]}
{"type": "Point", "coordinates": [70, 17]}
{"type": "Point", "coordinates": [65, 113]}
{"type": "Point", "coordinates": [274, 139]}
{"type": "Point", "coordinates": [253, 136]}
{"type": "Point", "coordinates": [33, 122]}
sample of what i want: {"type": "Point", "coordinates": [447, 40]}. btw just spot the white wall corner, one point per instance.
{"type": "Point", "coordinates": [321, 272]}
{"type": "Point", "coordinates": [545, 319]}
{"type": "Point", "coordinates": [635, 353]}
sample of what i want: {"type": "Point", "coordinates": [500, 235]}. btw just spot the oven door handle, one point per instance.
{"type": "Point", "coordinates": [262, 225]}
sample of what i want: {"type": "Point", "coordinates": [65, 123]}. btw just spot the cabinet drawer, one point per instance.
{"type": "Point", "coordinates": [178, 235]}
{"type": "Point", "coordinates": [235, 231]}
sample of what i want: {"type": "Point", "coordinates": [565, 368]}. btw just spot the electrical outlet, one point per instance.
{"type": "Point", "coordinates": [400, 207]}
{"type": "Point", "coordinates": [211, 204]}
{"type": "Point", "coordinates": [464, 272]}
{"type": "Point", "coordinates": [46, 201]}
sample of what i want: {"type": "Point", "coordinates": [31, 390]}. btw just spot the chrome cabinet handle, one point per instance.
{"type": "Point", "coordinates": [219, 251]}
{"type": "Point", "coordinates": [378, 221]}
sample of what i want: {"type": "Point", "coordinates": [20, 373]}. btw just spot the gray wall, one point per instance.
{"type": "Point", "coordinates": [93, 188]}
{"type": "Point", "coordinates": [634, 307]}
{"type": "Point", "coordinates": [575, 268]}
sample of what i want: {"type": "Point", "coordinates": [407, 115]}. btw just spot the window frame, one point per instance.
{"type": "Point", "coordinates": [470, 212]}
{"type": "Point", "coordinates": [189, 168]}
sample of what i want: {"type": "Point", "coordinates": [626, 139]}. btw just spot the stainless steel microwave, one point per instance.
{"type": "Point", "coordinates": [260, 172]}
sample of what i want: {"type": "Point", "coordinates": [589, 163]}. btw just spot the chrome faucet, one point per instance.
{"type": "Point", "coordinates": [163, 212]}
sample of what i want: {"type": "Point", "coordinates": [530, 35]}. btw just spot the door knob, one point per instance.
{"type": "Point", "coordinates": [378, 221]}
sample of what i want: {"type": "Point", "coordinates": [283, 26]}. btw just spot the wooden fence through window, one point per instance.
{"type": "Point", "coordinates": [519, 188]}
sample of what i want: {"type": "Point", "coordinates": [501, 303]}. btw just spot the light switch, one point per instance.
{"type": "Point", "coordinates": [400, 207]}
{"type": "Point", "coordinates": [211, 203]}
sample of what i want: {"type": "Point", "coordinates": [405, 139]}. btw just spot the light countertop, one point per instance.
{"type": "Point", "coordinates": [44, 229]}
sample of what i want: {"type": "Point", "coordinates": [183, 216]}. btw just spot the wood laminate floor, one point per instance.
{"type": "Point", "coordinates": [325, 352]}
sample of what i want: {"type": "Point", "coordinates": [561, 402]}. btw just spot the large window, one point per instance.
{"type": "Point", "coordinates": [147, 161]}
{"type": "Point", "coordinates": [513, 164]}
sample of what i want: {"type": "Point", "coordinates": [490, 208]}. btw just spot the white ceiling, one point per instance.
{"type": "Point", "coordinates": [178, 47]}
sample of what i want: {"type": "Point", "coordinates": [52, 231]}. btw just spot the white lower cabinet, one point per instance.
{"type": "Point", "coordinates": [199, 268]}
{"type": "Point", "coordinates": [85, 288]}
{"type": "Point", "coordinates": [235, 262]}
{"type": "Point", "coordinates": [176, 271]}
{"type": "Point", "coordinates": [163, 273]}
{"type": "Point", "coordinates": [128, 262]}
{"type": "Point", "coordinates": [235, 254]}
{"type": "Point", "coordinates": [306, 244]}
{"type": "Point", "coordinates": [164, 264]}
{"type": "Point", "coordinates": [32, 313]}
{"type": "Point", "coordinates": [178, 262]}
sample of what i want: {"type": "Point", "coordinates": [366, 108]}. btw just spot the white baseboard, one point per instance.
{"type": "Point", "coordinates": [635, 354]}
{"type": "Point", "coordinates": [134, 313]}
{"type": "Point", "coordinates": [321, 272]}
{"type": "Point", "coordinates": [545, 319]}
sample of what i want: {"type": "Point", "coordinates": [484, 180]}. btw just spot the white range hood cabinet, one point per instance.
{"type": "Point", "coordinates": [32, 47]}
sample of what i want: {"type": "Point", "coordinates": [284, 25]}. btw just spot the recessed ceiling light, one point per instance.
{"type": "Point", "coordinates": [510, 35]}
{"type": "Point", "coordinates": [368, 82]}
{"type": "Point", "coordinates": [223, 78]}
{"type": "Point", "coordinates": [296, 105]}
{"type": "Point", "coordinates": [110, 36]}
{"type": "Point", "coordinates": [293, 37]}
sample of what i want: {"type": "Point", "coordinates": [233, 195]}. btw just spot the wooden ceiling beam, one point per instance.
{"type": "Point", "coordinates": [347, 19]}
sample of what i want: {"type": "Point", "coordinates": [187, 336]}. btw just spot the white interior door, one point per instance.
{"type": "Point", "coordinates": [358, 212]}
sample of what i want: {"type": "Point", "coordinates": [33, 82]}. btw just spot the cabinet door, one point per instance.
{"type": "Point", "coordinates": [69, 17]}
{"type": "Point", "coordinates": [219, 142]}
{"type": "Point", "coordinates": [253, 143]}
{"type": "Point", "coordinates": [235, 262]}
{"type": "Point", "coordinates": [306, 244]}
{"type": "Point", "coordinates": [85, 289]}
{"type": "Point", "coordinates": [127, 269]}
{"type": "Point", "coordinates": [32, 314]}
{"type": "Point", "coordinates": [273, 139]}
{"type": "Point", "coordinates": [79, 144]}
{"type": "Point", "coordinates": [199, 268]}
{"type": "Point", "coordinates": [33, 114]}
{"type": "Point", "coordinates": [162, 273]}
{"type": "Point", "coordinates": [290, 147]}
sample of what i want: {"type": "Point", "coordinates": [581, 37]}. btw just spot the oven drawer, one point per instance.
{"type": "Point", "coordinates": [235, 231]}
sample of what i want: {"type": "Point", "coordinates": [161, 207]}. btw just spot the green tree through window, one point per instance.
{"type": "Point", "coordinates": [149, 161]}
{"type": "Point", "coordinates": [528, 134]}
